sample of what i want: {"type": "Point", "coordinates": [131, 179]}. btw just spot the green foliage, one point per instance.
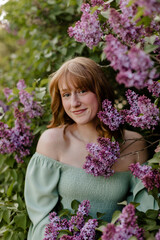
{"type": "Point", "coordinates": [35, 45]}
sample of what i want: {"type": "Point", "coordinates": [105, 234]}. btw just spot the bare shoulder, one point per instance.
{"type": "Point", "coordinates": [50, 141]}
{"type": "Point", "coordinates": [135, 143]}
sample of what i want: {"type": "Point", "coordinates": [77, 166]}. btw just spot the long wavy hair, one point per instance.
{"type": "Point", "coordinates": [83, 73]}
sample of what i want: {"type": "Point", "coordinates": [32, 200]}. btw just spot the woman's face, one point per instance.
{"type": "Point", "coordinates": [80, 105]}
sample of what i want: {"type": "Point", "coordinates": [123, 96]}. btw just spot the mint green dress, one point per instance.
{"type": "Point", "coordinates": [49, 181]}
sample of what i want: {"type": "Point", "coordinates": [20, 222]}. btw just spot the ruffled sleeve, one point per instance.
{"type": "Point", "coordinates": [41, 194]}
{"type": "Point", "coordinates": [139, 194]}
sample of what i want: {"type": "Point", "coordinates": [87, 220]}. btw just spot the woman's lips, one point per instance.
{"type": "Point", "coordinates": [77, 112]}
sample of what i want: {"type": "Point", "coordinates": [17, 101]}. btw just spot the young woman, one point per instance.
{"type": "Point", "coordinates": [55, 172]}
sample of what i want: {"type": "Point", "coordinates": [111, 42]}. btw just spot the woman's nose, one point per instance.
{"type": "Point", "coordinates": [75, 102]}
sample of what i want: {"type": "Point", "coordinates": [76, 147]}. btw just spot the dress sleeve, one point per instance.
{"type": "Point", "coordinates": [139, 194]}
{"type": "Point", "coordinates": [41, 194]}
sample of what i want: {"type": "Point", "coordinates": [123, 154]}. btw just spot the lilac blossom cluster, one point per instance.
{"type": "Point", "coordinates": [78, 227]}
{"type": "Point", "coordinates": [122, 23]}
{"type": "Point", "coordinates": [110, 115]}
{"type": "Point", "coordinates": [150, 6]}
{"type": "Point", "coordinates": [134, 65]}
{"type": "Point", "coordinates": [154, 88]}
{"type": "Point", "coordinates": [97, 3]}
{"type": "Point", "coordinates": [149, 177]}
{"type": "Point", "coordinates": [126, 228]}
{"type": "Point", "coordinates": [18, 139]}
{"type": "Point", "coordinates": [101, 157]}
{"type": "Point", "coordinates": [157, 237]}
{"type": "Point", "coordinates": [88, 29]}
{"type": "Point", "coordinates": [142, 112]}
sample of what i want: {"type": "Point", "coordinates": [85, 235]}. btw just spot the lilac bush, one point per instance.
{"type": "Point", "coordinates": [78, 226]}
{"type": "Point", "coordinates": [101, 157]}
{"type": "Point", "coordinates": [88, 29]}
{"type": "Point", "coordinates": [17, 139]}
{"type": "Point", "coordinates": [157, 237]}
{"type": "Point", "coordinates": [149, 177]}
{"type": "Point", "coordinates": [126, 227]}
{"type": "Point", "coordinates": [110, 116]}
{"type": "Point", "coordinates": [131, 73]}
{"type": "Point", "coordinates": [142, 112]}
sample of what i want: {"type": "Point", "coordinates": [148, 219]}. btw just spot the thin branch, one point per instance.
{"type": "Point", "coordinates": [133, 153]}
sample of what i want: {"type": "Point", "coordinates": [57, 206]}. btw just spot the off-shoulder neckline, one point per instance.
{"type": "Point", "coordinates": [68, 165]}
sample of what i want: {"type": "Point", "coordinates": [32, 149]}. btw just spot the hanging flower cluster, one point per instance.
{"type": "Point", "coordinates": [142, 112]}
{"type": "Point", "coordinates": [77, 228]}
{"type": "Point", "coordinates": [126, 227]}
{"type": "Point", "coordinates": [88, 29]}
{"type": "Point", "coordinates": [149, 177]}
{"type": "Point", "coordinates": [125, 51]}
{"type": "Point", "coordinates": [19, 138]}
{"type": "Point", "coordinates": [134, 65]}
{"type": "Point", "coordinates": [102, 157]}
{"type": "Point", "coordinates": [110, 115]}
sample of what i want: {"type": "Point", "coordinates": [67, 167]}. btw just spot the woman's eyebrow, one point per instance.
{"type": "Point", "coordinates": [64, 89]}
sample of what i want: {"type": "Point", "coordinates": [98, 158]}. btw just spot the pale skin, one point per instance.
{"type": "Point", "coordinates": [68, 145]}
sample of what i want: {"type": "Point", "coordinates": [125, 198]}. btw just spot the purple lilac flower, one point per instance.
{"type": "Point", "coordinates": [150, 6]}
{"type": "Point", "coordinates": [154, 88]}
{"type": "Point", "coordinates": [125, 27]}
{"type": "Point", "coordinates": [127, 227]}
{"type": "Point", "coordinates": [84, 207]}
{"type": "Point", "coordinates": [116, 53]}
{"type": "Point", "coordinates": [3, 106]}
{"type": "Point", "coordinates": [110, 116]}
{"type": "Point", "coordinates": [149, 177]}
{"type": "Point", "coordinates": [21, 84]}
{"type": "Point", "coordinates": [16, 140]}
{"type": "Point", "coordinates": [134, 65]}
{"type": "Point", "coordinates": [88, 29]}
{"type": "Point", "coordinates": [97, 3]}
{"type": "Point", "coordinates": [76, 221]}
{"type": "Point", "coordinates": [157, 237]}
{"type": "Point", "coordinates": [56, 224]}
{"type": "Point", "coordinates": [7, 93]}
{"type": "Point", "coordinates": [102, 157]}
{"type": "Point", "coordinates": [88, 230]}
{"type": "Point", "coordinates": [79, 229]}
{"type": "Point", "coordinates": [142, 112]}
{"type": "Point", "coordinates": [31, 107]}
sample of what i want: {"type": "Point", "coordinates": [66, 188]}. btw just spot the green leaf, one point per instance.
{"type": "Point", "coordinates": [139, 14]}
{"type": "Point", "coordinates": [6, 216]}
{"type": "Point", "coordinates": [9, 191]}
{"type": "Point", "coordinates": [44, 82]}
{"type": "Point", "coordinates": [122, 203]}
{"type": "Point", "coordinates": [64, 212]}
{"type": "Point", "coordinates": [150, 225]}
{"type": "Point", "coordinates": [106, 13]}
{"type": "Point", "coordinates": [93, 9]}
{"type": "Point", "coordinates": [133, 238]}
{"type": "Point", "coordinates": [75, 205]}
{"type": "Point", "coordinates": [99, 215]}
{"type": "Point", "coordinates": [15, 91]}
{"type": "Point", "coordinates": [115, 216]}
{"type": "Point", "coordinates": [63, 232]}
{"type": "Point", "coordinates": [1, 214]}
{"type": "Point", "coordinates": [153, 214]}
{"type": "Point", "coordinates": [130, 3]}
{"type": "Point", "coordinates": [150, 48]}
{"type": "Point", "coordinates": [21, 220]}
{"type": "Point", "coordinates": [144, 21]}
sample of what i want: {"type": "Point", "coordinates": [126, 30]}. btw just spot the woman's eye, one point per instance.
{"type": "Point", "coordinates": [82, 91]}
{"type": "Point", "coordinates": [66, 95]}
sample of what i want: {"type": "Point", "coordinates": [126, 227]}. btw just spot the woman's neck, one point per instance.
{"type": "Point", "coordinates": [85, 133]}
